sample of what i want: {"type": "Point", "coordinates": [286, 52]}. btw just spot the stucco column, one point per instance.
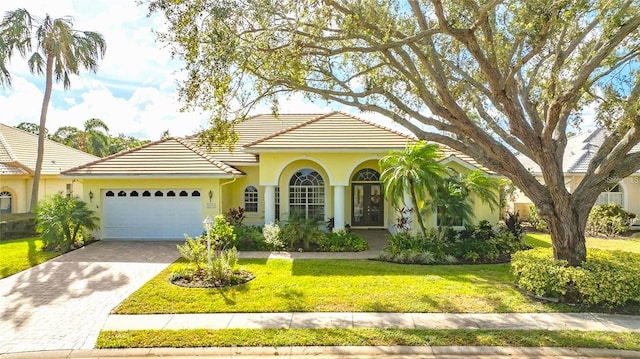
{"type": "Point", "coordinates": [338, 207]}
{"type": "Point", "coordinates": [269, 204]}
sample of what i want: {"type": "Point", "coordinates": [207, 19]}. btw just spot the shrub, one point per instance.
{"type": "Point", "coordinates": [513, 223]}
{"type": "Point", "coordinates": [271, 233]}
{"type": "Point", "coordinates": [607, 278]}
{"type": "Point", "coordinates": [235, 216]}
{"type": "Point", "coordinates": [63, 220]}
{"type": "Point", "coordinates": [534, 218]}
{"type": "Point", "coordinates": [474, 244]}
{"type": "Point", "coordinates": [222, 235]}
{"type": "Point", "coordinates": [249, 238]}
{"type": "Point", "coordinates": [301, 231]}
{"type": "Point", "coordinates": [608, 219]}
{"type": "Point", "coordinates": [194, 250]}
{"type": "Point", "coordinates": [341, 241]}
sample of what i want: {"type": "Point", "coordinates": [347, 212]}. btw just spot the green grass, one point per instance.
{"type": "Point", "coordinates": [628, 245]}
{"type": "Point", "coordinates": [344, 286]}
{"type": "Point", "coordinates": [20, 254]}
{"type": "Point", "coordinates": [365, 337]}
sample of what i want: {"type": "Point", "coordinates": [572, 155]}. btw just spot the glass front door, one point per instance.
{"type": "Point", "coordinates": [367, 206]}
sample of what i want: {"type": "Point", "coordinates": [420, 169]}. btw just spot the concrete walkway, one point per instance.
{"type": "Point", "coordinates": [539, 321]}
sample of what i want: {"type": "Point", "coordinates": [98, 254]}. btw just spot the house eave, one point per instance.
{"type": "Point", "coordinates": [149, 176]}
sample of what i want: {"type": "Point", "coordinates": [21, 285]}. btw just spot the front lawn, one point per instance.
{"type": "Point", "coordinates": [627, 245]}
{"type": "Point", "coordinates": [344, 286]}
{"type": "Point", "coordinates": [20, 254]}
{"type": "Point", "coordinates": [365, 337]}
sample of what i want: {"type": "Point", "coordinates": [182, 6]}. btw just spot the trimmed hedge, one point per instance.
{"type": "Point", "coordinates": [607, 278]}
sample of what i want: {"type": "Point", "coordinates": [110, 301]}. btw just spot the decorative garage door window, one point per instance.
{"type": "Point", "coordinates": [153, 193]}
{"type": "Point", "coordinates": [306, 194]}
{"type": "Point", "coordinates": [251, 199]}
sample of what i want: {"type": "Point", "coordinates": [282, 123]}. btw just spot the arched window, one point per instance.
{"type": "Point", "coordinates": [306, 194]}
{"type": "Point", "coordinates": [5, 202]}
{"type": "Point", "coordinates": [366, 175]}
{"type": "Point", "coordinates": [195, 194]}
{"type": "Point", "coordinates": [146, 194]}
{"type": "Point", "coordinates": [183, 194]}
{"type": "Point", "coordinates": [171, 194]}
{"type": "Point", "coordinates": [159, 194]}
{"type": "Point", "coordinates": [122, 194]}
{"type": "Point", "coordinates": [251, 199]}
{"type": "Point", "coordinates": [109, 194]}
{"type": "Point", "coordinates": [134, 194]}
{"type": "Point", "coordinates": [613, 194]}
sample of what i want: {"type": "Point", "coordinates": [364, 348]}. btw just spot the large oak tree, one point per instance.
{"type": "Point", "coordinates": [489, 78]}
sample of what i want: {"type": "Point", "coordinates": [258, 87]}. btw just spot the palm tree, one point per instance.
{"type": "Point", "coordinates": [414, 171]}
{"type": "Point", "coordinates": [58, 50]}
{"type": "Point", "coordinates": [453, 200]}
{"type": "Point", "coordinates": [95, 138]}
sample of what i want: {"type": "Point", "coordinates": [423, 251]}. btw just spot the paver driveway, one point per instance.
{"type": "Point", "coordinates": [63, 303]}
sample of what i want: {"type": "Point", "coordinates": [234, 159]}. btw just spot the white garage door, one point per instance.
{"type": "Point", "coordinates": [151, 214]}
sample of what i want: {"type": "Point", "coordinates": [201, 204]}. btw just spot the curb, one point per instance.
{"type": "Point", "coordinates": [335, 352]}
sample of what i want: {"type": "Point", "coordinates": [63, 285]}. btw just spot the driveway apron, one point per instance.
{"type": "Point", "coordinates": [64, 303]}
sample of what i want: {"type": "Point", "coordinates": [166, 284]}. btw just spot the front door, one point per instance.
{"type": "Point", "coordinates": [367, 209]}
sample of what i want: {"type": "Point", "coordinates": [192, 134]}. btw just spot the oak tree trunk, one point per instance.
{"type": "Point", "coordinates": [567, 237]}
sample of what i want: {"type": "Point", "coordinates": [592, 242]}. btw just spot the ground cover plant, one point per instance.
{"type": "Point", "coordinates": [343, 286]}
{"type": "Point", "coordinates": [20, 254]}
{"type": "Point", "coordinates": [474, 244]}
{"type": "Point", "coordinates": [365, 337]}
{"type": "Point", "coordinates": [296, 235]}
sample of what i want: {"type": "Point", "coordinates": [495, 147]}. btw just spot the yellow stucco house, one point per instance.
{"type": "Point", "coordinates": [317, 165]}
{"type": "Point", "coordinates": [18, 152]}
{"type": "Point", "coordinates": [579, 152]}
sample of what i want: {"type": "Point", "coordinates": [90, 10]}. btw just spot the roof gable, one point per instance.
{"type": "Point", "coordinates": [18, 150]}
{"type": "Point", "coordinates": [168, 157]}
{"type": "Point", "coordinates": [335, 130]}
{"type": "Point", "coordinates": [578, 153]}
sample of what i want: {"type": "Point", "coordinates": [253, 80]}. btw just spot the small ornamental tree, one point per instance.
{"type": "Point", "coordinates": [63, 220]}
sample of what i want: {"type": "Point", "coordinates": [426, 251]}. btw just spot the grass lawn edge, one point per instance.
{"type": "Point", "coordinates": [193, 338]}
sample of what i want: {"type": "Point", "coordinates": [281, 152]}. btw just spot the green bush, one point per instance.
{"type": "Point", "coordinates": [300, 232]}
{"type": "Point", "coordinates": [194, 250]}
{"type": "Point", "coordinates": [607, 278]}
{"type": "Point", "coordinates": [608, 219]}
{"type": "Point", "coordinates": [534, 218]}
{"type": "Point", "coordinates": [249, 238]}
{"type": "Point", "coordinates": [341, 241]}
{"type": "Point", "coordinates": [474, 244]}
{"type": "Point", "coordinates": [62, 221]}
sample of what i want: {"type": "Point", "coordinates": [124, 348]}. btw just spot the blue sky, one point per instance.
{"type": "Point", "coordinates": [134, 91]}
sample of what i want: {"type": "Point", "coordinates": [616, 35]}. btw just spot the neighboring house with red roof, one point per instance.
{"type": "Point", "coordinates": [316, 165]}
{"type": "Point", "coordinates": [18, 152]}
{"type": "Point", "coordinates": [578, 154]}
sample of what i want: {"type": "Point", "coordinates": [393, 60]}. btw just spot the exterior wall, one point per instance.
{"type": "Point", "coordinates": [20, 189]}
{"type": "Point", "coordinates": [233, 194]}
{"type": "Point", "coordinates": [630, 187]}
{"type": "Point", "coordinates": [204, 185]}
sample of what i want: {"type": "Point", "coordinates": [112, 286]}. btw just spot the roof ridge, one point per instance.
{"type": "Point", "coordinates": [378, 125]}
{"type": "Point", "coordinates": [221, 165]}
{"type": "Point", "coordinates": [289, 129]}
